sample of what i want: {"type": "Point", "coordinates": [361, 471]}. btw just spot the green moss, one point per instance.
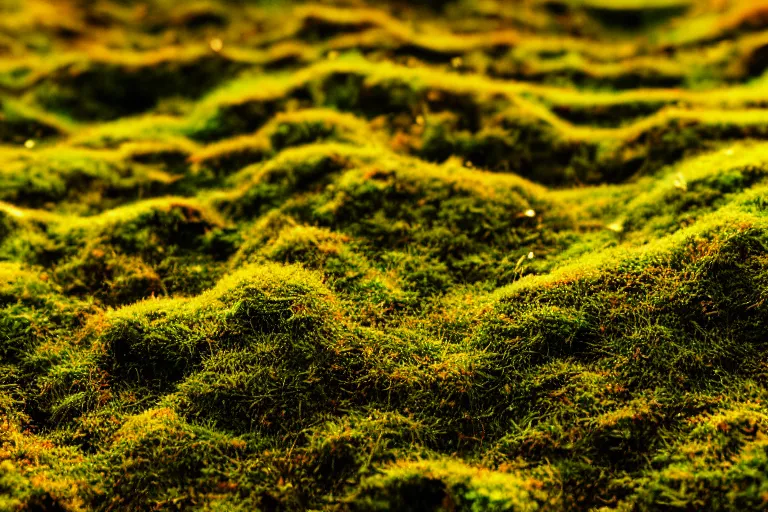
{"type": "Point", "coordinates": [684, 302]}
{"type": "Point", "coordinates": [411, 255]}
{"type": "Point", "coordinates": [447, 485]}
{"type": "Point", "coordinates": [20, 123]}
{"type": "Point", "coordinates": [155, 457]}
{"type": "Point", "coordinates": [165, 339]}
{"type": "Point", "coordinates": [732, 486]}
{"type": "Point", "coordinates": [76, 181]}
{"type": "Point", "coordinates": [109, 88]}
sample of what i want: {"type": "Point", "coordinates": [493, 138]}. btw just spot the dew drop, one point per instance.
{"type": "Point", "coordinates": [216, 44]}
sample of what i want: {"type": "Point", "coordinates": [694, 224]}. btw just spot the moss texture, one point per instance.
{"type": "Point", "coordinates": [349, 256]}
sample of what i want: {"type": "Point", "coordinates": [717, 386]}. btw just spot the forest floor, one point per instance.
{"type": "Point", "coordinates": [460, 256]}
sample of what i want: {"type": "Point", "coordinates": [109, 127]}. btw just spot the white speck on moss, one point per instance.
{"type": "Point", "coordinates": [680, 182]}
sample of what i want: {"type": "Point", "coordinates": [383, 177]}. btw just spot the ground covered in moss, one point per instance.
{"type": "Point", "coordinates": [418, 255]}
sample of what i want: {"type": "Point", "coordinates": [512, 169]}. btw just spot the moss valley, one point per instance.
{"type": "Point", "coordinates": [471, 255]}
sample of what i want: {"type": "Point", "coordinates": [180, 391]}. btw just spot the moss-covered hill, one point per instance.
{"type": "Point", "coordinates": [461, 256]}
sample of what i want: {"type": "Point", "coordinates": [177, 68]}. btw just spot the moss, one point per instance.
{"type": "Point", "coordinates": [283, 131]}
{"type": "Point", "coordinates": [19, 493]}
{"type": "Point", "coordinates": [674, 311]}
{"type": "Point", "coordinates": [355, 444]}
{"type": "Point", "coordinates": [109, 277]}
{"type": "Point", "coordinates": [263, 187]}
{"type": "Point", "coordinates": [109, 88]}
{"type": "Point", "coordinates": [694, 189]}
{"type": "Point", "coordinates": [38, 475]}
{"type": "Point", "coordinates": [20, 123]}
{"type": "Point", "coordinates": [145, 249]}
{"type": "Point", "coordinates": [165, 339]}
{"type": "Point", "coordinates": [411, 255]}
{"type": "Point", "coordinates": [447, 485]}
{"type": "Point", "coordinates": [77, 181]}
{"type": "Point", "coordinates": [148, 450]}
{"type": "Point", "coordinates": [148, 228]}
{"type": "Point", "coordinates": [730, 488]}
{"type": "Point", "coordinates": [262, 388]}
